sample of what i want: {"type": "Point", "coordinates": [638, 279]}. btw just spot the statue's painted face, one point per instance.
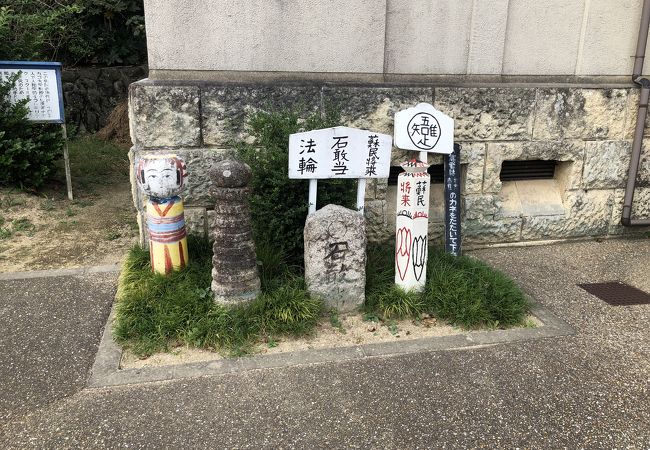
{"type": "Point", "coordinates": [161, 176]}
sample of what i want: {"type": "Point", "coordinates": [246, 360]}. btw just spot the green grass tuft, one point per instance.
{"type": "Point", "coordinates": [460, 290]}
{"type": "Point", "coordinates": [156, 312]}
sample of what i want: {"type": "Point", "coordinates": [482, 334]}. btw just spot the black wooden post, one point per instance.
{"type": "Point", "coordinates": [452, 202]}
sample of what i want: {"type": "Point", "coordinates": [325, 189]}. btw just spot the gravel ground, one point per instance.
{"type": "Point", "coordinates": [591, 390]}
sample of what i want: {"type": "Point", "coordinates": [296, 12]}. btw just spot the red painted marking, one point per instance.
{"type": "Point", "coordinates": [403, 252]}
{"type": "Point", "coordinates": [180, 249]}
{"type": "Point", "coordinates": [164, 212]}
{"type": "Point", "coordinates": [168, 261]}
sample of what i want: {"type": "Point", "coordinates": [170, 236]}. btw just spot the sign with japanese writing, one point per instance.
{"type": "Point", "coordinates": [452, 202]}
{"type": "Point", "coordinates": [40, 82]}
{"type": "Point", "coordinates": [339, 152]}
{"type": "Point", "coordinates": [412, 225]}
{"type": "Point", "coordinates": [425, 129]}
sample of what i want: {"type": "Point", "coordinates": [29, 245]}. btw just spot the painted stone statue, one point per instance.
{"type": "Point", "coordinates": [161, 178]}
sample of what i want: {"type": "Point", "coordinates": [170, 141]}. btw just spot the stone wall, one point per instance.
{"type": "Point", "coordinates": [587, 130]}
{"type": "Point", "coordinates": [91, 93]}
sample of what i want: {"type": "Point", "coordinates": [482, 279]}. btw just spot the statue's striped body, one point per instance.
{"type": "Point", "coordinates": [167, 235]}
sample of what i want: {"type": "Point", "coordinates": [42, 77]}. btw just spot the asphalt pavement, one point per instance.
{"type": "Point", "coordinates": [588, 390]}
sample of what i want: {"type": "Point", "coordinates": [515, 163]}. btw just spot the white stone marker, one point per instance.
{"type": "Point", "coordinates": [411, 246]}
{"type": "Point", "coordinates": [339, 152]}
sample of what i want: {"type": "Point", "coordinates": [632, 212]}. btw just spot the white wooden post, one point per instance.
{"type": "Point", "coordinates": [313, 185]}
{"type": "Point", "coordinates": [361, 194]}
{"type": "Point", "coordinates": [66, 161]}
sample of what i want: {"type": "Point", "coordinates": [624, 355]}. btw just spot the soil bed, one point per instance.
{"type": "Point", "coordinates": [353, 330]}
{"type": "Point", "coordinates": [44, 230]}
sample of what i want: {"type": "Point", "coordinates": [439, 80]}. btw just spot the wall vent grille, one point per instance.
{"type": "Point", "coordinates": [528, 170]}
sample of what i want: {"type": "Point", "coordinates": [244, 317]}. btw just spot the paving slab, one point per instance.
{"type": "Point", "coordinates": [588, 390]}
{"type": "Point", "coordinates": [49, 331]}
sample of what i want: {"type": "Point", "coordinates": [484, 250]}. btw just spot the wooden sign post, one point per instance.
{"type": "Point", "coordinates": [411, 243]}
{"type": "Point", "coordinates": [40, 83]}
{"type": "Point", "coordinates": [339, 152]}
{"type": "Point", "coordinates": [424, 129]}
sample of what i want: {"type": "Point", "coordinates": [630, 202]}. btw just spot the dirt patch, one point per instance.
{"type": "Point", "coordinates": [353, 330]}
{"type": "Point", "coordinates": [49, 232]}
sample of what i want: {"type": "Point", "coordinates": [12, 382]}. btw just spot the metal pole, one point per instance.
{"type": "Point", "coordinates": [637, 143]}
{"type": "Point", "coordinates": [361, 194]}
{"type": "Point", "coordinates": [313, 185]}
{"type": "Point", "coordinates": [66, 161]}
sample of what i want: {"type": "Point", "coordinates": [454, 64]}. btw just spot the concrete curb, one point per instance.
{"type": "Point", "coordinates": [7, 276]}
{"type": "Point", "coordinates": [106, 372]}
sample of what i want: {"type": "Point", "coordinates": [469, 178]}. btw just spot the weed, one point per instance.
{"type": "Point", "coordinates": [22, 225]}
{"type": "Point", "coordinates": [272, 343]}
{"type": "Point", "coordinates": [392, 327]}
{"type": "Point", "coordinates": [461, 290]}
{"type": "Point", "coordinates": [155, 311]}
{"type": "Point", "coordinates": [336, 322]}
{"type": "Point", "coordinates": [5, 233]}
{"type": "Point", "coordinates": [370, 317]}
{"type": "Point", "coordinates": [529, 323]}
{"type": "Point", "coordinates": [112, 235]}
{"type": "Point", "coordinates": [47, 204]}
{"type": "Point", "coordinates": [70, 212]}
{"type": "Point", "coordinates": [9, 201]}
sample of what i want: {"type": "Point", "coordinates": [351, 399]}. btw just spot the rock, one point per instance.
{"type": "Point", "coordinates": [640, 210]}
{"type": "Point", "coordinates": [235, 279]}
{"type": "Point", "coordinates": [570, 113]}
{"type": "Point", "coordinates": [488, 113]}
{"type": "Point", "coordinates": [164, 116]}
{"type": "Point", "coordinates": [588, 214]}
{"type": "Point", "coordinates": [231, 174]}
{"type": "Point", "coordinates": [373, 108]}
{"type": "Point", "coordinates": [225, 108]}
{"type": "Point", "coordinates": [606, 164]}
{"type": "Point", "coordinates": [335, 257]}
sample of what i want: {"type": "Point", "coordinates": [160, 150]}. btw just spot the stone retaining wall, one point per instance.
{"type": "Point", "coordinates": [91, 93]}
{"type": "Point", "coordinates": [587, 130]}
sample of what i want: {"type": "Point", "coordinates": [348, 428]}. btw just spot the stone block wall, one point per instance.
{"type": "Point", "coordinates": [91, 93]}
{"type": "Point", "coordinates": [587, 130]}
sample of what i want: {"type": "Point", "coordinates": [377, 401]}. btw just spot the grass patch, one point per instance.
{"type": "Point", "coordinates": [97, 162]}
{"type": "Point", "coordinates": [155, 313]}
{"type": "Point", "coordinates": [461, 290]}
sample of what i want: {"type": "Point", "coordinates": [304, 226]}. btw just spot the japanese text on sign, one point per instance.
{"type": "Point", "coordinates": [424, 128]}
{"type": "Point", "coordinates": [339, 152]}
{"type": "Point", "coordinates": [38, 83]}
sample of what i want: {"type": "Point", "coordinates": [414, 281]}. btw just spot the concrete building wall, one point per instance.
{"type": "Point", "coordinates": [406, 37]}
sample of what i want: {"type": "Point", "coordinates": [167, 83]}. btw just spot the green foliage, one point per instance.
{"type": "Point", "coordinates": [73, 31]}
{"type": "Point", "coordinates": [461, 290]}
{"type": "Point", "coordinates": [27, 150]}
{"type": "Point", "coordinates": [279, 204]}
{"type": "Point", "coordinates": [155, 311]}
